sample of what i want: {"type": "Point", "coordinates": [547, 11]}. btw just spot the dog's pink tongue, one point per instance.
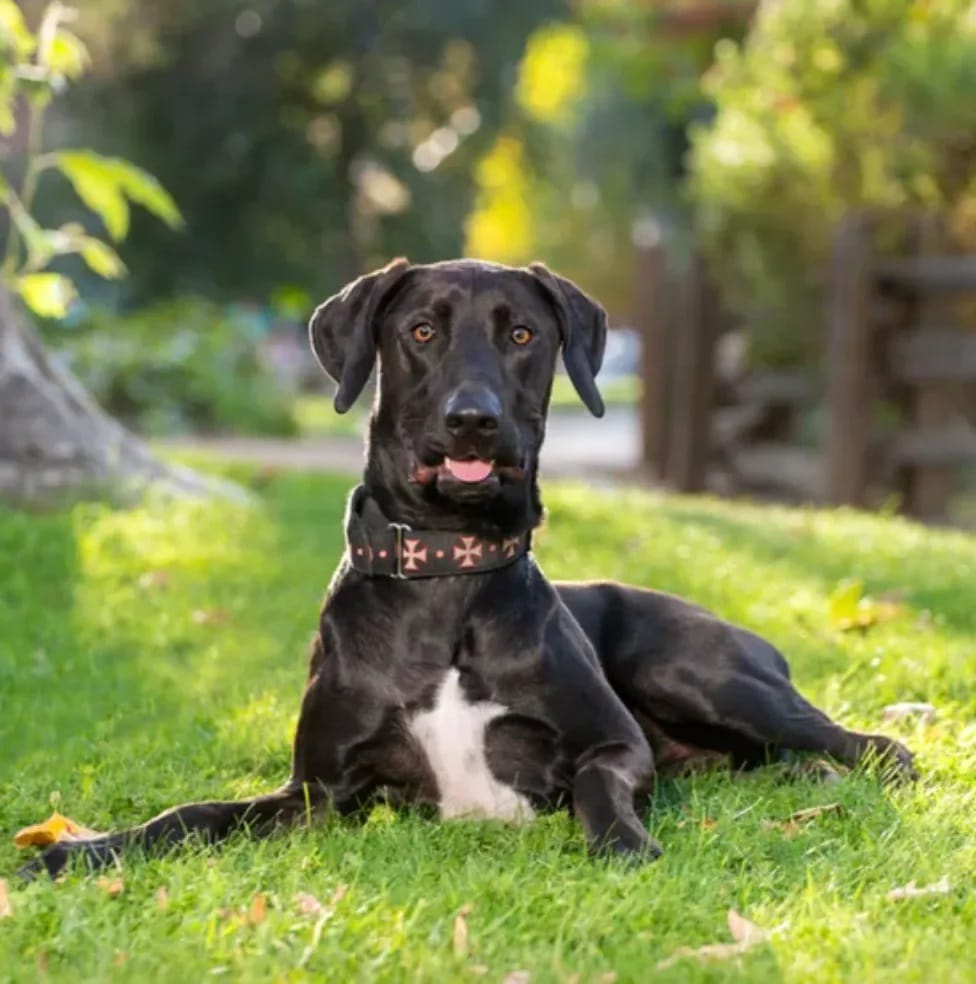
{"type": "Point", "coordinates": [468, 471]}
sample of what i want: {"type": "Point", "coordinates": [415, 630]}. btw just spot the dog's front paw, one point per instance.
{"type": "Point", "coordinates": [633, 845]}
{"type": "Point", "coordinates": [896, 762]}
{"type": "Point", "coordinates": [51, 860]}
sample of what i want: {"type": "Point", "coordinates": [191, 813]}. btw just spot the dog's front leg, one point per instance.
{"type": "Point", "coordinates": [211, 821]}
{"type": "Point", "coordinates": [611, 756]}
{"type": "Point", "coordinates": [603, 798]}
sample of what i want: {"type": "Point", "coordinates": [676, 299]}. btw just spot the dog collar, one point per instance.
{"type": "Point", "coordinates": [393, 550]}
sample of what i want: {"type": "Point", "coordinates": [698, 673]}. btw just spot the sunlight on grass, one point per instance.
{"type": "Point", "coordinates": [158, 655]}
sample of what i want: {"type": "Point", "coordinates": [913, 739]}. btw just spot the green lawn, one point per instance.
{"type": "Point", "coordinates": [156, 656]}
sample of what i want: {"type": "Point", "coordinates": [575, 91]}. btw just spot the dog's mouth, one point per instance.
{"type": "Point", "coordinates": [472, 472]}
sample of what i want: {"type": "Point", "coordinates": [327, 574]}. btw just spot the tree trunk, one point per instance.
{"type": "Point", "coordinates": [57, 444]}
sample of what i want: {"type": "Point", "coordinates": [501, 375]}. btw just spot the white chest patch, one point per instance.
{"type": "Point", "coordinates": [452, 735]}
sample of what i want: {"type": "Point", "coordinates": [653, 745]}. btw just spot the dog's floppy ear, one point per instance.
{"type": "Point", "coordinates": [583, 325]}
{"type": "Point", "coordinates": [342, 333]}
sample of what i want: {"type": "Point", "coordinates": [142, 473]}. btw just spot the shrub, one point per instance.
{"type": "Point", "coordinates": [183, 365]}
{"type": "Point", "coordinates": [830, 105]}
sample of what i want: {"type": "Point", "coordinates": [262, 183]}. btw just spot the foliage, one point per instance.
{"type": "Point", "coordinates": [34, 67]}
{"type": "Point", "coordinates": [830, 105]}
{"type": "Point", "coordinates": [157, 655]}
{"type": "Point", "coordinates": [324, 138]}
{"type": "Point", "coordinates": [592, 148]}
{"type": "Point", "coordinates": [182, 365]}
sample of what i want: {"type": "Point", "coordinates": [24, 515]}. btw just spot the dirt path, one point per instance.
{"type": "Point", "coordinates": [576, 445]}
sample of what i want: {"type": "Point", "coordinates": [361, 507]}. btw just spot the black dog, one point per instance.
{"type": "Point", "coordinates": [447, 670]}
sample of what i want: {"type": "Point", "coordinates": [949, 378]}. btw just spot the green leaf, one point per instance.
{"type": "Point", "coordinates": [142, 188]}
{"type": "Point", "coordinates": [96, 184]}
{"type": "Point", "coordinates": [101, 258]}
{"type": "Point", "coordinates": [107, 184]}
{"type": "Point", "coordinates": [46, 294]}
{"type": "Point", "coordinates": [67, 55]}
{"type": "Point", "coordinates": [16, 39]}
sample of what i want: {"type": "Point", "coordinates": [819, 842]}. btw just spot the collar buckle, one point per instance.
{"type": "Point", "coordinates": [399, 529]}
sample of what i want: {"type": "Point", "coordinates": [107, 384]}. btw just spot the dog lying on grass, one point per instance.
{"type": "Point", "coordinates": [447, 670]}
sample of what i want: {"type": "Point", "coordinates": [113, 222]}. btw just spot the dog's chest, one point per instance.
{"type": "Point", "coordinates": [452, 736]}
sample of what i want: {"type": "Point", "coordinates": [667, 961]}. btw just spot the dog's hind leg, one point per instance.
{"type": "Point", "coordinates": [739, 702]}
{"type": "Point", "coordinates": [211, 822]}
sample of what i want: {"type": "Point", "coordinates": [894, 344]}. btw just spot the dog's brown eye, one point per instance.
{"type": "Point", "coordinates": [422, 332]}
{"type": "Point", "coordinates": [521, 335]}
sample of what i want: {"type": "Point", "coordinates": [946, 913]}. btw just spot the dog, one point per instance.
{"type": "Point", "coordinates": [447, 670]}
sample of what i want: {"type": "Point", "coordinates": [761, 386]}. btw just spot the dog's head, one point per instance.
{"type": "Point", "coordinates": [466, 353]}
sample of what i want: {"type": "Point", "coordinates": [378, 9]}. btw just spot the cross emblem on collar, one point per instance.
{"type": "Point", "coordinates": [510, 544]}
{"type": "Point", "coordinates": [469, 552]}
{"type": "Point", "coordinates": [413, 555]}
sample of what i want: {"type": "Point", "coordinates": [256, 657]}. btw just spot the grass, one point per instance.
{"type": "Point", "coordinates": [155, 656]}
{"type": "Point", "coordinates": [315, 417]}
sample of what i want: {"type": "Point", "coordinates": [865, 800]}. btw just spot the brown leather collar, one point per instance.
{"type": "Point", "coordinates": [382, 548]}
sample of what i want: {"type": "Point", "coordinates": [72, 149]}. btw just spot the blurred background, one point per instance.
{"type": "Point", "coordinates": [776, 202]}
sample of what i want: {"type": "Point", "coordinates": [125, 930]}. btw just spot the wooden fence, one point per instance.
{"type": "Point", "coordinates": [894, 335]}
{"type": "Point", "coordinates": [896, 360]}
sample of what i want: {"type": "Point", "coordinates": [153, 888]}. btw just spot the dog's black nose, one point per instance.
{"type": "Point", "coordinates": [472, 412]}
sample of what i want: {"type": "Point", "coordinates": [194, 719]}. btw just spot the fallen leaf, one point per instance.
{"type": "Point", "coordinates": [849, 608]}
{"type": "Point", "coordinates": [708, 823]}
{"type": "Point", "coordinates": [162, 897]}
{"type": "Point", "coordinates": [609, 977]}
{"type": "Point", "coordinates": [257, 911]}
{"type": "Point", "coordinates": [56, 828]}
{"type": "Point", "coordinates": [909, 709]}
{"type": "Point", "coordinates": [517, 977]}
{"type": "Point", "coordinates": [912, 891]}
{"type": "Point", "coordinates": [308, 904]}
{"type": "Point", "coordinates": [6, 906]}
{"type": "Point", "coordinates": [479, 970]}
{"type": "Point", "coordinates": [120, 958]}
{"type": "Point", "coordinates": [461, 930]}
{"type": "Point", "coordinates": [744, 930]}
{"type": "Point", "coordinates": [153, 579]}
{"type": "Point", "coordinates": [211, 616]}
{"type": "Point", "coordinates": [795, 822]}
{"type": "Point", "coordinates": [42, 962]}
{"type": "Point", "coordinates": [745, 933]}
{"type": "Point", "coordinates": [111, 886]}
{"type": "Point", "coordinates": [324, 912]}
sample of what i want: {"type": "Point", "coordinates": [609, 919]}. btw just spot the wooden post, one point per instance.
{"type": "Point", "coordinates": [650, 318]}
{"type": "Point", "coordinates": [850, 381]}
{"type": "Point", "coordinates": [693, 385]}
{"type": "Point", "coordinates": [930, 486]}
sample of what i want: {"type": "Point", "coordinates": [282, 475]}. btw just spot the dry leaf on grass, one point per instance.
{"type": "Point", "coordinates": [257, 911]}
{"type": "Point", "coordinates": [906, 709]}
{"type": "Point", "coordinates": [849, 608]}
{"type": "Point", "coordinates": [111, 886]}
{"type": "Point", "coordinates": [56, 828]}
{"type": "Point", "coordinates": [120, 958]}
{"type": "Point", "coordinates": [211, 616]}
{"type": "Point", "coordinates": [795, 822]}
{"type": "Point", "coordinates": [913, 891]}
{"type": "Point", "coordinates": [309, 905]}
{"type": "Point", "coordinates": [517, 977]}
{"type": "Point", "coordinates": [162, 897]}
{"type": "Point", "coordinates": [461, 930]}
{"type": "Point", "coordinates": [745, 933]}
{"type": "Point", "coordinates": [608, 977]}
{"type": "Point", "coordinates": [6, 906]}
